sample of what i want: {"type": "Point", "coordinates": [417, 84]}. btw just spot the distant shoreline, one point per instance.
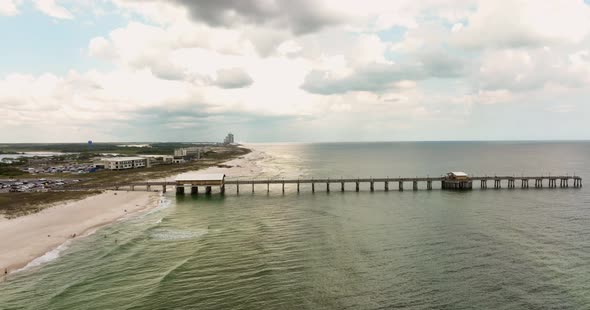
{"type": "Point", "coordinates": [39, 234]}
{"type": "Point", "coordinates": [11, 204]}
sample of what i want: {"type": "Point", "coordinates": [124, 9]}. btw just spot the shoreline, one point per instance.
{"type": "Point", "coordinates": [31, 237]}
{"type": "Point", "coordinates": [35, 238]}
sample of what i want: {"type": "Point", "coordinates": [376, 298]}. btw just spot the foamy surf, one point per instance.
{"type": "Point", "coordinates": [163, 203]}
{"type": "Point", "coordinates": [47, 257]}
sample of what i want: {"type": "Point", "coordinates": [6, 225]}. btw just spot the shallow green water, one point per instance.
{"type": "Point", "coordinates": [494, 249]}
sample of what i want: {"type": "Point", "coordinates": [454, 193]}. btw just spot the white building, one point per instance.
{"type": "Point", "coordinates": [121, 163]}
{"type": "Point", "coordinates": [157, 159]}
{"type": "Point", "coordinates": [188, 151]}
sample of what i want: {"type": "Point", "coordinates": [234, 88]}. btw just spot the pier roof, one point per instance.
{"type": "Point", "coordinates": [458, 174]}
{"type": "Point", "coordinates": [200, 178]}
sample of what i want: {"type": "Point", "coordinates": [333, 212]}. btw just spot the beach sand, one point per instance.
{"type": "Point", "coordinates": [28, 237]}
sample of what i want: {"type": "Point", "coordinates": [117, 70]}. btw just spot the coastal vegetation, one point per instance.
{"type": "Point", "coordinates": [13, 205]}
{"type": "Point", "coordinates": [10, 171]}
{"type": "Point", "coordinates": [18, 204]}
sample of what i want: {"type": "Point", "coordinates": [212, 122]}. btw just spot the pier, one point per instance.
{"type": "Point", "coordinates": [449, 182]}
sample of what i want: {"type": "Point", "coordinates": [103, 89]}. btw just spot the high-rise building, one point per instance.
{"type": "Point", "coordinates": [229, 139]}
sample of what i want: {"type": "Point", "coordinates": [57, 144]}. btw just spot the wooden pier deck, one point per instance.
{"type": "Point", "coordinates": [340, 184]}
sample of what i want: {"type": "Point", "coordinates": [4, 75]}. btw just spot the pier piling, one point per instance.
{"type": "Point", "coordinates": [446, 184]}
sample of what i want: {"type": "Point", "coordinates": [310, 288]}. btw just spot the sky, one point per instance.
{"type": "Point", "coordinates": [294, 71]}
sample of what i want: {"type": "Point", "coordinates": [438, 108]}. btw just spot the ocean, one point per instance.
{"type": "Point", "coordinates": [481, 249]}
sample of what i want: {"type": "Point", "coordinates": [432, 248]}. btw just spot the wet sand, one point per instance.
{"type": "Point", "coordinates": [28, 237]}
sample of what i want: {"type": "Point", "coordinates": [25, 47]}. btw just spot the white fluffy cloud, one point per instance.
{"type": "Point", "coordinates": [9, 7]}
{"type": "Point", "coordinates": [195, 64]}
{"type": "Point", "coordinates": [522, 23]}
{"type": "Point", "coordinates": [53, 9]}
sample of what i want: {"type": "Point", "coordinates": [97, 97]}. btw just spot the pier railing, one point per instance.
{"type": "Point", "coordinates": [327, 184]}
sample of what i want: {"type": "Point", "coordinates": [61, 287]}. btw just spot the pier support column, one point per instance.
{"type": "Point", "coordinates": [357, 186]}
{"type": "Point", "coordinates": [483, 184]}
{"type": "Point", "coordinates": [283, 187]}
{"type": "Point", "coordinates": [148, 187]}
{"type": "Point", "coordinates": [386, 186]}
{"type": "Point", "coordinates": [237, 187]}
{"type": "Point", "coordinates": [327, 187]}
{"type": "Point", "coordinates": [497, 184]}
{"type": "Point", "coordinates": [194, 190]}
{"type": "Point", "coordinates": [268, 187]}
{"type": "Point", "coordinates": [342, 186]}
{"type": "Point", "coordinates": [297, 186]}
{"type": "Point", "coordinates": [312, 187]}
{"type": "Point", "coordinates": [252, 188]}
{"type": "Point", "coordinates": [372, 186]}
{"type": "Point", "coordinates": [401, 186]}
{"type": "Point", "coordinates": [179, 190]}
{"type": "Point", "coordinates": [208, 190]}
{"type": "Point", "coordinates": [429, 185]}
{"type": "Point", "coordinates": [222, 189]}
{"type": "Point", "coordinates": [415, 185]}
{"type": "Point", "coordinates": [567, 183]}
{"type": "Point", "coordinates": [132, 187]}
{"type": "Point", "coordinates": [164, 189]}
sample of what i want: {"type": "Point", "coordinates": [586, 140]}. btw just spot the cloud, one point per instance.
{"type": "Point", "coordinates": [524, 23]}
{"type": "Point", "coordinates": [300, 17]}
{"type": "Point", "coordinates": [233, 78]}
{"type": "Point", "coordinates": [51, 8]}
{"type": "Point", "coordinates": [379, 77]}
{"type": "Point", "coordinates": [525, 70]}
{"type": "Point", "coordinates": [303, 65]}
{"type": "Point", "coordinates": [9, 7]}
{"type": "Point", "coordinates": [373, 78]}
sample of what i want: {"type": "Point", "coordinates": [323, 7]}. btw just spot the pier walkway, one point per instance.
{"type": "Point", "coordinates": [340, 184]}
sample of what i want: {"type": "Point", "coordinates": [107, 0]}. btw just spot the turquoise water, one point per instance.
{"type": "Point", "coordinates": [492, 249]}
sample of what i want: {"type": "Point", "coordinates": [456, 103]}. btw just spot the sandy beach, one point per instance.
{"type": "Point", "coordinates": [25, 239]}
{"type": "Point", "coordinates": [29, 237]}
